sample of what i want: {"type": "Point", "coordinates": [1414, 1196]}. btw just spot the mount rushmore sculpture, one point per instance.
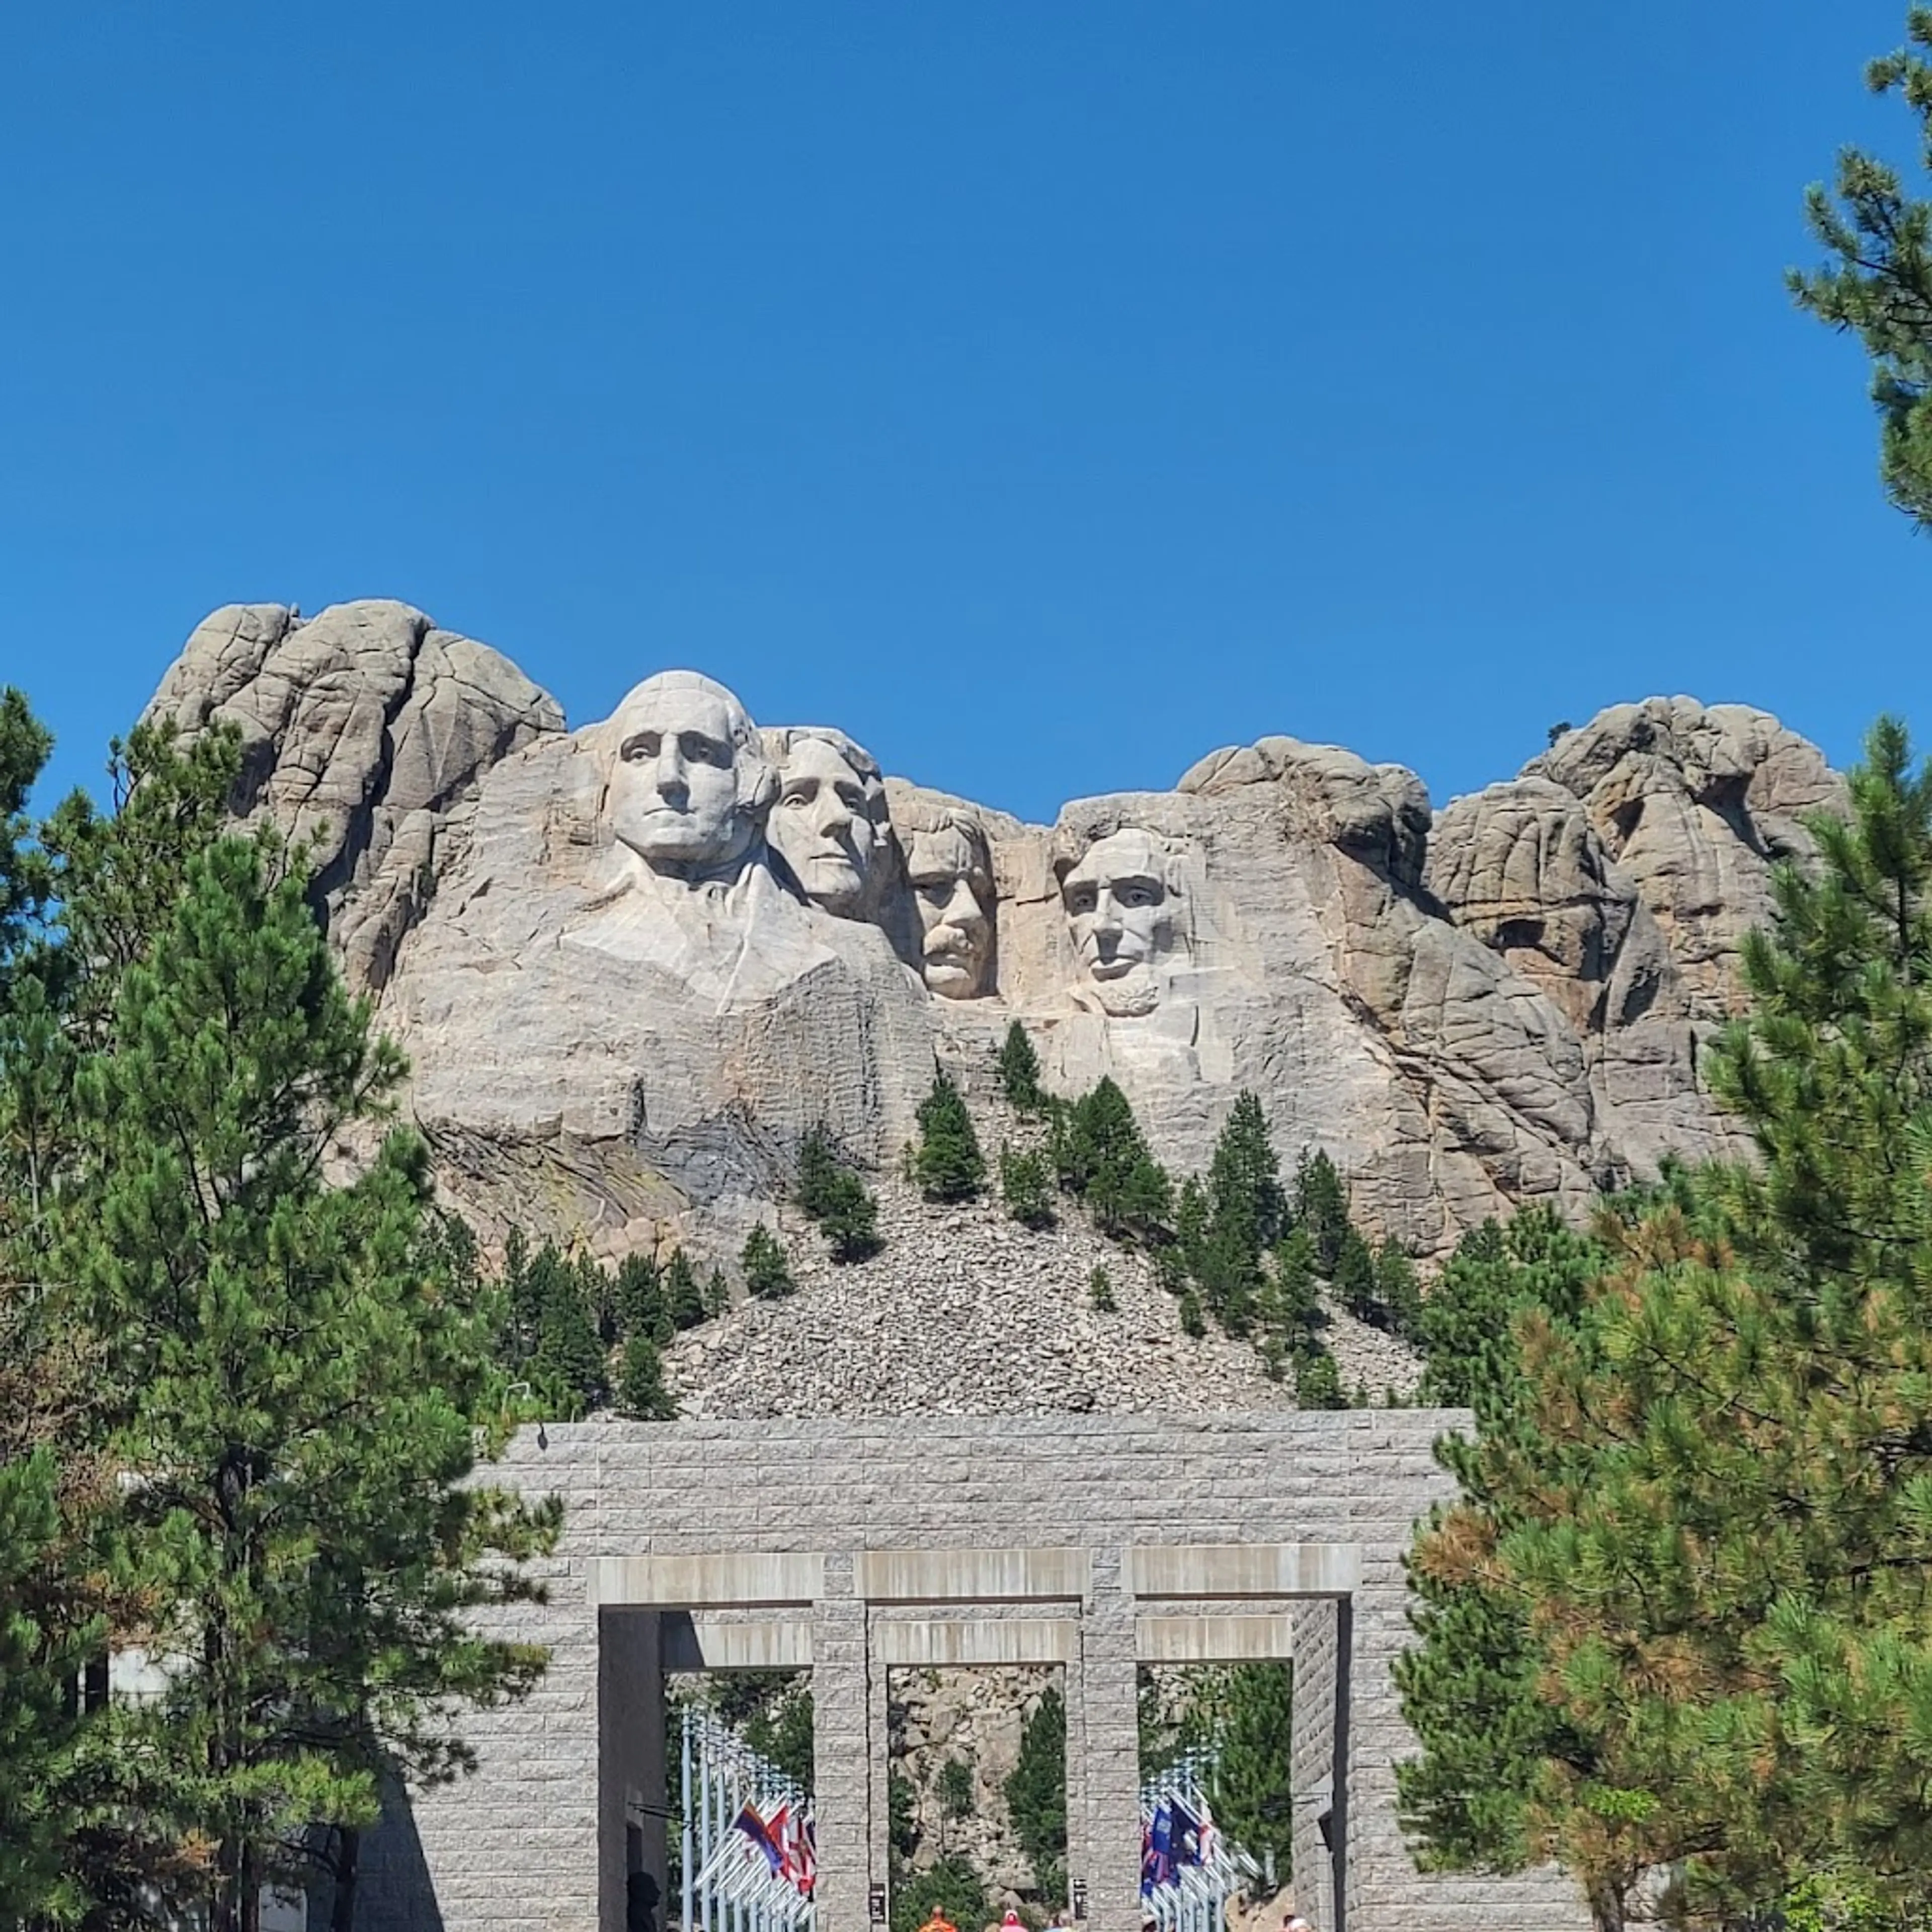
{"type": "Point", "coordinates": [634, 963]}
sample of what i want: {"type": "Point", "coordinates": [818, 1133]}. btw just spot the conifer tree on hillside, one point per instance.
{"type": "Point", "coordinates": [568, 1364]}
{"type": "Point", "coordinates": [1354, 1276]}
{"type": "Point", "coordinates": [1236, 1218]}
{"type": "Point", "coordinates": [1320, 1205]}
{"type": "Point", "coordinates": [948, 1165]}
{"type": "Point", "coordinates": [636, 1293]}
{"type": "Point", "coordinates": [1026, 1187]}
{"type": "Point", "coordinates": [641, 1392]}
{"type": "Point", "coordinates": [1019, 1072]}
{"type": "Point", "coordinates": [767, 1270]}
{"type": "Point", "coordinates": [1102, 1158]}
{"type": "Point", "coordinates": [837, 1200]}
{"type": "Point", "coordinates": [684, 1299]}
{"type": "Point", "coordinates": [1398, 1293]}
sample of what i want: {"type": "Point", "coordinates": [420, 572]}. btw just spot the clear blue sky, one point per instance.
{"type": "Point", "coordinates": [1046, 393]}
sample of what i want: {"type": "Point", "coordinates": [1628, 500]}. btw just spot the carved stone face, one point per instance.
{"type": "Point", "coordinates": [821, 824]}
{"type": "Point", "coordinates": [951, 888]}
{"type": "Point", "coordinates": [689, 784]}
{"type": "Point", "coordinates": [1120, 913]}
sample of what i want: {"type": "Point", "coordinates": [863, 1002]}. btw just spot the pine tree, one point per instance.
{"type": "Point", "coordinates": [89, 1815]}
{"type": "Point", "coordinates": [1713, 1497]}
{"type": "Point", "coordinates": [1244, 1191]}
{"type": "Point", "coordinates": [819, 1169]}
{"type": "Point", "coordinates": [641, 1392]}
{"type": "Point", "coordinates": [1355, 1276]}
{"type": "Point", "coordinates": [1100, 1292]}
{"type": "Point", "coordinates": [1036, 1794]}
{"type": "Point", "coordinates": [1317, 1382]}
{"type": "Point", "coordinates": [292, 1371]}
{"type": "Point", "coordinates": [851, 1224]}
{"type": "Point", "coordinates": [1252, 1783]}
{"type": "Point", "coordinates": [1878, 284]}
{"type": "Point", "coordinates": [1470, 1687]}
{"type": "Point", "coordinates": [1026, 1187]}
{"type": "Point", "coordinates": [1193, 1318]}
{"type": "Point", "coordinates": [1019, 1072]}
{"type": "Point", "coordinates": [40, 1656]}
{"type": "Point", "coordinates": [837, 1200]}
{"type": "Point", "coordinates": [717, 1294]}
{"type": "Point", "coordinates": [764, 1263]}
{"type": "Point", "coordinates": [684, 1300]}
{"type": "Point", "coordinates": [1103, 1159]}
{"type": "Point", "coordinates": [1293, 1309]}
{"type": "Point", "coordinates": [948, 1165]}
{"type": "Point", "coordinates": [638, 1296]}
{"type": "Point", "coordinates": [568, 1363]}
{"type": "Point", "coordinates": [1398, 1294]}
{"type": "Point", "coordinates": [1321, 1206]}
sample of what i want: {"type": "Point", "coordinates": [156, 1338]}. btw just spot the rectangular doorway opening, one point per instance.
{"type": "Point", "coordinates": [976, 1794]}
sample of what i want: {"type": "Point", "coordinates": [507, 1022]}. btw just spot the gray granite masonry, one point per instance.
{"type": "Point", "coordinates": [1094, 1542]}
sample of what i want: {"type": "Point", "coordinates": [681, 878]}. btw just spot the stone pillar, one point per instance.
{"type": "Point", "coordinates": [630, 1756]}
{"type": "Point", "coordinates": [1311, 1758]}
{"type": "Point", "coordinates": [842, 1768]}
{"type": "Point", "coordinates": [878, 1765]}
{"type": "Point", "coordinates": [1073, 1688]}
{"type": "Point", "coordinates": [1110, 1719]}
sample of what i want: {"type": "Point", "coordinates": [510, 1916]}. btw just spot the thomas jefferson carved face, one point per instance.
{"type": "Point", "coordinates": [952, 885]}
{"type": "Point", "coordinates": [689, 786]}
{"type": "Point", "coordinates": [823, 824]}
{"type": "Point", "coordinates": [1121, 913]}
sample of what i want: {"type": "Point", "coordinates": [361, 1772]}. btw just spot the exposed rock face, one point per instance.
{"type": "Point", "coordinates": [627, 992]}
{"type": "Point", "coordinates": [1617, 876]}
{"type": "Point", "coordinates": [365, 729]}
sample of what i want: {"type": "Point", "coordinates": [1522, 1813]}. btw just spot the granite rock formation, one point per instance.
{"type": "Point", "coordinates": [627, 990]}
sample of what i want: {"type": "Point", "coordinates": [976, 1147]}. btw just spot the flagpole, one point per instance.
{"type": "Point", "coordinates": [690, 1847]}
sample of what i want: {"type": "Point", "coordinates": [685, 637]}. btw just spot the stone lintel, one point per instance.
{"type": "Point", "coordinates": [703, 1582]}
{"type": "Point", "coordinates": [959, 1640]}
{"type": "Point", "coordinates": [1237, 1639]}
{"type": "Point", "coordinates": [708, 1643]}
{"type": "Point", "coordinates": [973, 1575]}
{"type": "Point", "coordinates": [1212, 1570]}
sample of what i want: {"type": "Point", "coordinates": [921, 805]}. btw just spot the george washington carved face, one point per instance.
{"type": "Point", "coordinates": [689, 786]}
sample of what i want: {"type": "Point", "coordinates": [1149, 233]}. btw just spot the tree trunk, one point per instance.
{"type": "Point", "coordinates": [1606, 1908]}
{"type": "Point", "coordinates": [342, 1907]}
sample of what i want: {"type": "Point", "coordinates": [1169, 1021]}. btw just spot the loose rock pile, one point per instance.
{"type": "Point", "coordinates": [967, 1313]}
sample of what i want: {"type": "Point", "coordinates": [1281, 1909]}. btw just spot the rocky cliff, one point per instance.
{"type": "Point", "coordinates": [633, 963]}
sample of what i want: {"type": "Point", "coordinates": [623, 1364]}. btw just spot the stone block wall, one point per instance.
{"type": "Point", "coordinates": [1066, 1499]}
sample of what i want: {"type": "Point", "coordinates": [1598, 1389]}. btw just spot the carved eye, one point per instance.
{"type": "Point", "coordinates": [935, 891]}
{"type": "Point", "coordinates": [798, 800]}
{"type": "Point", "coordinates": [1081, 899]}
{"type": "Point", "coordinates": [852, 799]}
{"type": "Point", "coordinates": [703, 750]}
{"type": "Point", "coordinates": [642, 749]}
{"type": "Point", "coordinates": [1135, 895]}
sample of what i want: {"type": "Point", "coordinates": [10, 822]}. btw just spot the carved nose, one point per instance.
{"type": "Point", "coordinates": [671, 773]}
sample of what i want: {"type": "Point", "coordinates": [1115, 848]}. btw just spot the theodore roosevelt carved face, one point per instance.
{"type": "Point", "coordinates": [689, 784]}
{"type": "Point", "coordinates": [951, 873]}
{"type": "Point", "coordinates": [1120, 912]}
{"type": "Point", "coordinates": [829, 819]}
